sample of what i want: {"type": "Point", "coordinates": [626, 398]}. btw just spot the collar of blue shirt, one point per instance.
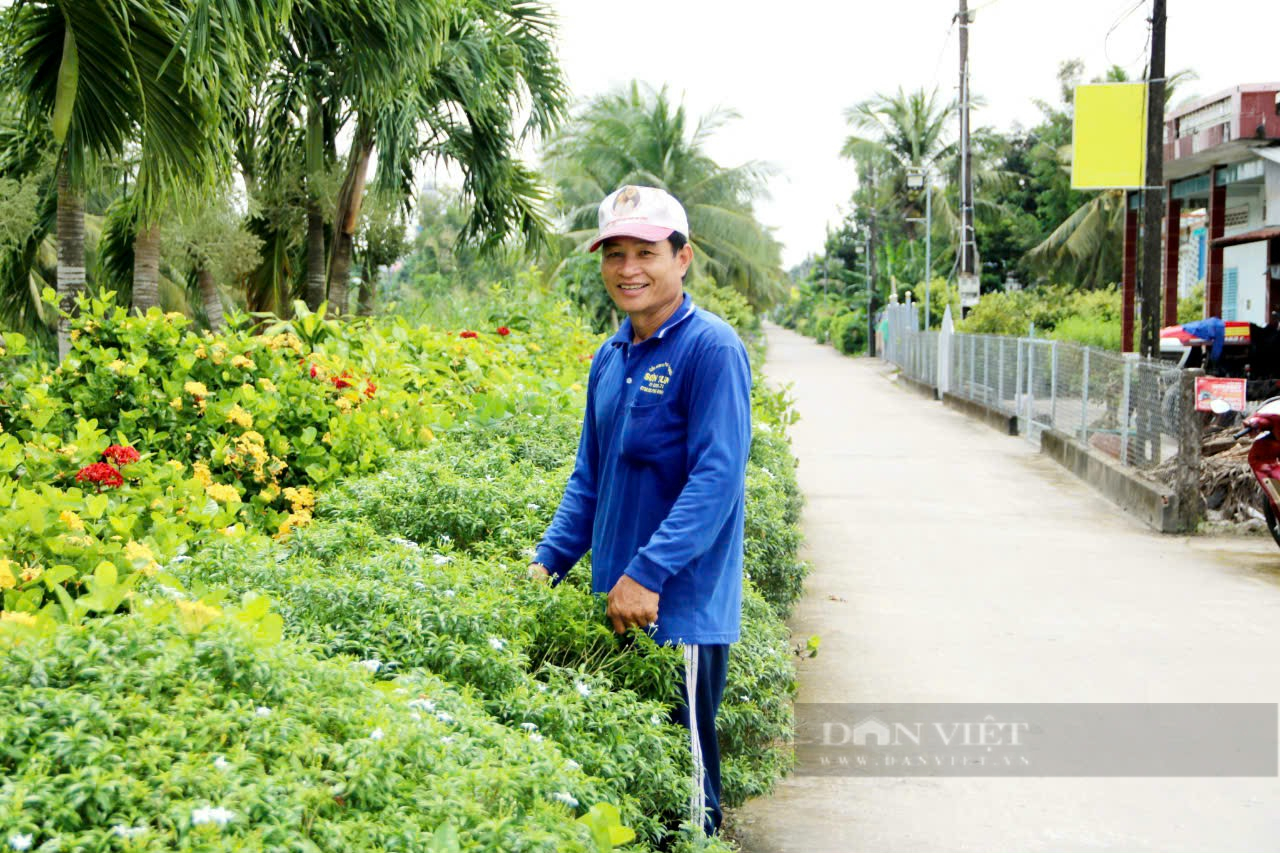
{"type": "Point", "coordinates": [684, 312]}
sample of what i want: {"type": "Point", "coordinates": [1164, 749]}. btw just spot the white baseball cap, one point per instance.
{"type": "Point", "coordinates": [646, 213]}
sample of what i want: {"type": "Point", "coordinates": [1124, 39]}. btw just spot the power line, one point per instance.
{"type": "Point", "coordinates": [1124, 16]}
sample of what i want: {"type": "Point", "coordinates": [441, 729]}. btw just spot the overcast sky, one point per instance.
{"type": "Point", "coordinates": [791, 68]}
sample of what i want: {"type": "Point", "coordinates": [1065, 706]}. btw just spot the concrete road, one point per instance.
{"type": "Point", "coordinates": [953, 564]}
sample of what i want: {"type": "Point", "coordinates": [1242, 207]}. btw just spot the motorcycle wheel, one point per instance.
{"type": "Point", "coordinates": [1273, 525]}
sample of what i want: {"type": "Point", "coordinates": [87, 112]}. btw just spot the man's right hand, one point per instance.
{"type": "Point", "coordinates": [539, 573]}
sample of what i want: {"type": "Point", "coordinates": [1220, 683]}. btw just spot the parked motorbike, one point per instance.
{"type": "Point", "coordinates": [1264, 458]}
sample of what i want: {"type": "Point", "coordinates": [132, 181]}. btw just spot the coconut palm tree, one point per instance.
{"type": "Point", "coordinates": [637, 135]}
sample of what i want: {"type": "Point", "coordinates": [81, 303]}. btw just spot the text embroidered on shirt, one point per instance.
{"type": "Point", "coordinates": [657, 378]}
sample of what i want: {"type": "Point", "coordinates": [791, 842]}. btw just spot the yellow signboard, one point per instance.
{"type": "Point", "coordinates": [1109, 138]}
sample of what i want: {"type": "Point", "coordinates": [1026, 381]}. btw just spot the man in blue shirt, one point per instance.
{"type": "Point", "coordinates": [657, 491]}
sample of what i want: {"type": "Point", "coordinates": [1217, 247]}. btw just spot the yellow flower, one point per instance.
{"type": "Point", "coordinates": [75, 335]}
{"type": "Point", "coordinates": [176, 465]}
{"type": "Point", "coordinates": [69, 451]}
{"type": "Point", "coordinates": [176, 404]}
{"type": "Point", "coordinates": [297, 519]}
{"type": "Point", "coordinates": [242, 361]}
{"type": "Point", "coordinates": [7, 580]}
{"type": "Point", "coordinates": [252, 437]}
{"type": "Point", "coordinates": [301, 498]}
{"type": "Point", "coordinates": [138, 552]}
{"type": "Point", "coordinates": [426, 435]}
{"type": "Point", "coordinates": [201, 352]}
{"type": "Point", "coordinates": [196, 389]}
{"type": "Point", "coordinates": [240, 417]}
{"type": "Point", "coordinates": [267, 385]}
{"type": "Point", "coordinates": [533, 347]}
{"type": "Point", "coordinates": [248, 390]}
{"type": "Point", "coordinates": [150, 569]}
{"type": "Point", "coordinates": [174, 316]}
{"type": "Point", "coordinates": [71, 520]}
{"type": "Point", "coordinates": [219, 351]}
{"type": "Point", "coordinates": [31, 573]}
{"type": "Point", "coordinates": [201, 472]}
{"type": "Point", "coordinates": [222, 493]}
{"type": "Point", "coordinates": [327, 438]}
{"type": "Point", "coordinates": [575, 387]}
{"type": "Point", "coordinates": [343, 404]}
{"type": "Point", "coordinates": [24, 619]}
{"type": "Point", "coordinates": [116, 366]}
{"type": "Point", "coordinates": [270, 493]}
{"type": "Point", "coordinates": [195, 616]}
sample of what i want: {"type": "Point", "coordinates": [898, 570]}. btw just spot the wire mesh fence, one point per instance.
{"type": "Point", "coordinates": [1127, 408]}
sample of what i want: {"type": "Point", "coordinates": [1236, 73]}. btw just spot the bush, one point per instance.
{"type": "Point", "coordinates": [849, 332]}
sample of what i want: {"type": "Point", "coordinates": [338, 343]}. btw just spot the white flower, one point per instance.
{"type": "Point", "coordinates": [404, 543]}
{"type": "Point", "coordinates": [448, 593]}
{"type": "Point", "coordinates": [533, 507]}
{"type": "Point", "coordinates": [565, 797]}
{"type": "Point", "coordinates": [371, 664]}
{"type": "Point", "coordinates": [415, 716]}
{"type": "Point", "coordinates": [18, 841]}
{"type": "Point", "coordinates": [572, 765]}
{"type": "Point", "coordinates": [262, 711]}
{"type": "Point", "coordinates": [445, 537]}
{"type": "Point", "coordinates": [497, 644]}
{"type": "Point", "coordinates": [444, 717]}
{"type": "Point", "coordinates": [221, 763]}
{"type": "Point", "coordinates": [542, 688]}
{"type": "Point", "coordinates": [447, 739]}
{"type": "Point", "coordinates": [376, 734]}
{"type": "Point", "coordinates": [529, 727]}
{"type": "Point", "coordinates": [217, 815]}
{"type": "Point", "coordinates": [440, 559]}
{"type": "Point", "coordinates": [583, 688]}
{"type": "Point", "coordinates": [129, 831]}
{"type": "Point", "coordinates": [656, 720]}
{"type": "Point", "coordinates": [422, 704]}
{"type": "Point", "coordinates": [535, 737]}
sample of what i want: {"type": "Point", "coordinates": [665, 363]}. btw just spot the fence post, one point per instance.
{"type": "Point", "coordinates": [1186, 482]}
{"type": "Point", "coordinates": [1053, 385]}
{"type": "Point", "coordinates": [1000, 374]}
{"type": "Point", "coordinates": [1084, 400]}
{"type": "Point", "coordinates": [986, 370]}
{"type": "Point", "coordinates": [1124, 414]}
{"type": "Point", "coordinates": [1031, 384]}
{"type": "Point", "coordinates": [973, 366]}
{"type": "Point", "coordinates": [1019, 396]}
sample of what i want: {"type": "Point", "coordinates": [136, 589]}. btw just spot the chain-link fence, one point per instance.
{"type": "Point", "coordinates": [1127, 408]}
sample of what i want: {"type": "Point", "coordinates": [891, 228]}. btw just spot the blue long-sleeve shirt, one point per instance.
{"type": "Point", "coordinates": [658, 488]}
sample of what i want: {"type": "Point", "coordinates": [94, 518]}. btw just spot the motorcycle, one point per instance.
{"type": "Point", "coordinates": [1264, 457]}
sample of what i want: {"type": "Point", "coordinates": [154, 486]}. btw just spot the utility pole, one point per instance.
{"type": "Point", "coordinates": [1153, 184]}
{"type": "Point", "coordinates": [967, 260]}
{"type": "Point", "coordinates": [866, 272]}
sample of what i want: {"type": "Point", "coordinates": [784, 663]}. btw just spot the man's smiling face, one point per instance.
{"type": "Point", "coordinates": [644, 279]}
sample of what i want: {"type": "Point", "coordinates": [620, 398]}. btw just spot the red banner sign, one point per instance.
{"type": "Point", "coordinates": [1210, 388]}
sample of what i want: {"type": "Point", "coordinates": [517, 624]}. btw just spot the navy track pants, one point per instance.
{"type": "Point", "coordinates": [705, 670]}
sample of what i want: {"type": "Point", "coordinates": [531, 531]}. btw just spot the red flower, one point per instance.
{"type": "Point", "coordinates": [370, 389]}
{"type": "Point", "coordinates": [469, 334]}
{"type": "Point", "coordinates": [101, 473]}
{"type": "Point", "coordinates": [340, 382]}
{"type": "Point", "coordinates": [313, 371]}
{"type": "Point", "coordinates": [121, 455]}
{"type": "Point", "coordinates": [504, 331]}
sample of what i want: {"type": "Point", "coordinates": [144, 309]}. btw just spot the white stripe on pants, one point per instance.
{"type": "Point", "coordinates": [698, 797]}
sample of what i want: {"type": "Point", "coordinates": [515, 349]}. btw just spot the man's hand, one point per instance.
{"type": "Point", "coordinates": [539, 573]}
{"type": "Point", "coordinates": [631, 604]}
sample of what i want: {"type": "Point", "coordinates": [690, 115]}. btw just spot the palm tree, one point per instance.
{"type": "Point", "coordinates": [98, 74]}
{"type": "Point", "coordinates": [636, 135]}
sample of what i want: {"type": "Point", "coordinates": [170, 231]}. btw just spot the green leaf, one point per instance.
{"type": "Point", "coordinates": [96, 505]}
{"type": "Point", "coordinates": [68, 82]}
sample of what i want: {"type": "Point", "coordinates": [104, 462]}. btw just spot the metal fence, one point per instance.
{"type": "Point", "coordinates": [1127, 408]}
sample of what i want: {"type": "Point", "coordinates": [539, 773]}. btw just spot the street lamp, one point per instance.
{"type": "Point", "coordinates": [918, 178]}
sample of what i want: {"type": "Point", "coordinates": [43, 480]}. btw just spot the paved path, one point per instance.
{"type": "Point", "coordinates": [954, 564]}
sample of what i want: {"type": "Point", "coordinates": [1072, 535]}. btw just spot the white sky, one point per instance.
{"type": "Point", "coordinates": [791, 68]}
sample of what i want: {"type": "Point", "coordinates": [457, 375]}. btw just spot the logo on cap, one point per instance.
{"type": "Point", "coordinates": [628, 200]}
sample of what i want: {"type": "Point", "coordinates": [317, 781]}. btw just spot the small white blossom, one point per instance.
{"type": "Point", "coordinates": [415, 716]}
{"type": "Point", "coordinates": [444, 716]}
{"type": "Point", "coordinates": [533, 507]}
{"type": "Point", "coordinates": [583, 688]}
{"type": "Point", "coordinates": [217, 815]}
{"type": "Point", "coordinates": [447, 739]}
{"type": "Point", "coordinates": [529, 727]}
{"type": "Point", "coordinates": [445, 537]}
{"type": "Point", "coordinates": [18, 841]}
{"type": "Point", "coordinates": [221, 763]}
{"type": "Point", "coordinates": [448, 593]}
{"type": "Point", "coordinates": [572, 765]}
{"type": "Point", "coordinates": [404, 543]}
{"type": "Point", "coordinates": [656, 720]}
{"type": "Point", "coordinates": [123, 831]}
{"type": "Point", "coordinates": [175, 594]}
{"type": "Point", "coordinates": [262, 711]}
{"type": "Point", "coordinates": [497, 644]}
{"type": "Point", "coordinates": [422, 704]}
{"type": "Point", "coordinates": [376, 734]}
{"type": "Point", "coordinates": [565, 797]}
{"type": "Point", "coordinates": [535, 737]}
{"type": "Point", "coordinates": [440, 559]}
{"type": "Point", "coordinates": [372, 665]}
{"type": "Point", "coordinates": [542, 688]}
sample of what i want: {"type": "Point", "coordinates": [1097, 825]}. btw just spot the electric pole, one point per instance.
{"type": "Point", "coordinates": [1153, 184]}
{"type": "Point", "coordinates": [967, 272]}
